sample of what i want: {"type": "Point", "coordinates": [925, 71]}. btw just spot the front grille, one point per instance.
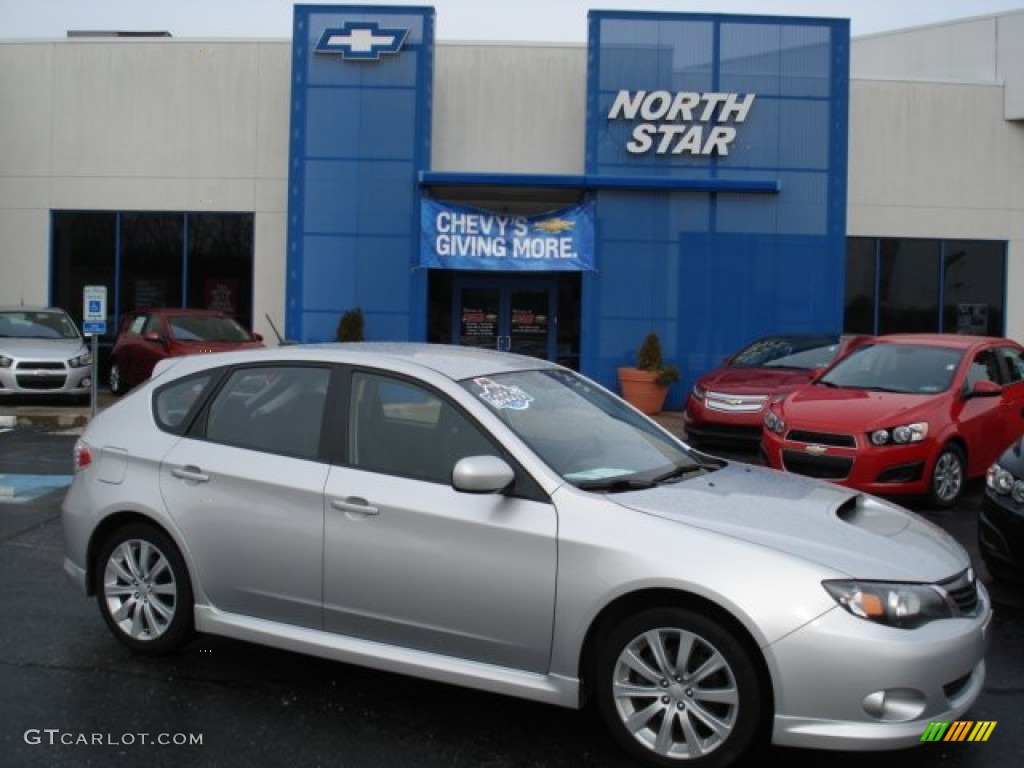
{"type": "Point", "coordinates": [727, 432]}
{"type": "Point", "coordinates": [43, 365]}
{"type": "Point", "coordinates": [719, 401]}
{"type": "Point", "coordinates": [41, 382]}
{"type": "Point", "coordinates": [956, 687]}
{"type": "Point", "coordinates": [963, 591]}
{"type": "Point", "coordinates": [821, 467]}
{"type": "Point", "coordinates": [822, 438]}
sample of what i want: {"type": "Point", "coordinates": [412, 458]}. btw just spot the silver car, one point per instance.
{"type": "Point", "coordinates": [42, 353]}
{"type": "Point", "coordinates": [503, 523]}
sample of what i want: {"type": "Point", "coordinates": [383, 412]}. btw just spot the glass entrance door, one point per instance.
{"type": "Point", "coordinates": [513, 315]}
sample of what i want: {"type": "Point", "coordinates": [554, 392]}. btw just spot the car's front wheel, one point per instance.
{"type": "Point", "coordinates": [947, 480]}
{"type": "Point", "coordinates": [116, 380]}
{"type": "Point", "coordinates": [143, 589]}
{"type": "Point", "coordinates": [676, 688]}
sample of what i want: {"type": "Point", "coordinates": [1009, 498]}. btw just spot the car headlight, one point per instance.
{"type": "Point", "coordinates": [773, 422]}
{"type": "Point", "coordinates": [896, 605]}
{"type": "Point", "coordinates": [901, 435]}
{"type": "Point", "coordinates": [81, 361]}
{"type": "Point", "coordinates": [698, 393]}
{"type": "Point", "coordinates": [5, 361]}
{"type": "Point", "coordinates": [1004, 483]}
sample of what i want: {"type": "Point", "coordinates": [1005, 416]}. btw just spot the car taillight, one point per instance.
{"type": "Point", "coordinates": [83, 456]}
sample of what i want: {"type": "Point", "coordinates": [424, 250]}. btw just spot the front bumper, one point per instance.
{"type": "Point", "coordinates": [845, 683]}
{"type": "Point", "coordinates": [888, 470]}
{"type": "Point", "coordinates": [52, 378]}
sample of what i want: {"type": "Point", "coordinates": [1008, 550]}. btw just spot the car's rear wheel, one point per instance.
{"type": "Point", "coordinates": [116, 380]}
{"type": "Point", "coordinates": [143, 589]}
{"type": "Point", "coordinates": [947, 481]}
{"type": "Point", "coordinates": [676, 688]}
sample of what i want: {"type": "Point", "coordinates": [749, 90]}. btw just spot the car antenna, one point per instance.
{"type": "Point", "coordinates": [280, 339]}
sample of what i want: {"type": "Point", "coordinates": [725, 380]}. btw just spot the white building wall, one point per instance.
{"type": "Point", "coordinates": [191, 125]}
{"type": "Point", "coordinates": [509, 109]}
{"type": "Point", "coordinates": [936, 147]}
{"type": "Point", "coordinates": [179, 125]}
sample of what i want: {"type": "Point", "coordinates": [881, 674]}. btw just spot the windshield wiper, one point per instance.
{"type": "Point", "coordinates": [680, 472]}
{"type": "Point", "coordinates": [616, 486]}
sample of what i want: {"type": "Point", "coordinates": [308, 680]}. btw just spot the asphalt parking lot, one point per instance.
{"type": "Point", "coordinates": [73, 696]}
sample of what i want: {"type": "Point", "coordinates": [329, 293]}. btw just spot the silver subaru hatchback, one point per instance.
{"type": "Point", "coordinates": [499, 522]}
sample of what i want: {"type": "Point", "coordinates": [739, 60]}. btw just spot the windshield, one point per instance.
{"type": "Point", "coordinates": [37, 325]}
{"type": "Point", "coordinates": [802, 352]}
{"type": "Point", "coordinates": [905, 368]}
{"type": "Point", "coordinates": [206, 328]}
{"type": "Point", "coordinates": [589, 437]}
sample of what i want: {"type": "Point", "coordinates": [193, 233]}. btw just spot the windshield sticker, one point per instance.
{"type": "Point", "coordinates": [502, 396]}
{"type": "Point", "coordinates": [597, 473]}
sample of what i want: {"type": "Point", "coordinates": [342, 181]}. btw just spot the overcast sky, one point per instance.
{"type": "Point", "coordinates": [510, 20]}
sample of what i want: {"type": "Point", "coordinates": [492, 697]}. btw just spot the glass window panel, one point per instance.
{"type": "Point", "coordinates": [859, 309]}
{"type": "Point", "coordinates": [974, 285]}
{"type": "Point", "coordinates": [908, 286]}
{"type": "Point", "coordinates": [83, 254]}
{"type": "Point", "coordinates": [220, 263]}
{"type": "Point", "coordinates": [151, 260]}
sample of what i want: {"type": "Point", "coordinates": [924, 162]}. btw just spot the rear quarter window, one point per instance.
{"type": "Point", "coordinates": [175, 403]}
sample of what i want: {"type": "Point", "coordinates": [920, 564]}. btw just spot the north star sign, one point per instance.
{"type": "Point", "coordinates": [363, 40]}
{"type": "Point", "coordinates": [685, 122]}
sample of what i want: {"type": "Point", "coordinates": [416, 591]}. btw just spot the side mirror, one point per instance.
{"type": "Point", "coordinates": [482, 474]}
{"type": "Point", "coordinates": [985, 389]}
{"type": "Point", "coordinates": [153, 336]}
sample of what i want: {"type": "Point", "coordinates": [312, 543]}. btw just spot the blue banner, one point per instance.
{"type": "Point", "coordinates": [458, 237]}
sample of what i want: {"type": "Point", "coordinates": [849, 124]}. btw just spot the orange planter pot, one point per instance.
{"type": "Point", "coordinates": [642, 390]}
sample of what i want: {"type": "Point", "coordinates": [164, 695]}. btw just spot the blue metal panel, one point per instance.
{"type": "Point", "coordinates": [713, 267]}
{"type": "Point", "coordinates": [360, 135]}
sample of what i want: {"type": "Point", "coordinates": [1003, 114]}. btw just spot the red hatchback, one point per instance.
{"type": "Point", "coordinates": [915, 414]}
{"type": "Point", "coordinates": [150, 335]}
{"type": "Point", "coordinates": [728, 404]}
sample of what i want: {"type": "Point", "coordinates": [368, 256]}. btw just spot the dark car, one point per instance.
{"type": "Point", "coordinates": [150, 335]}
{"type": "Point", "coordinates": [1001, 521]}
{"type": "Point", "coordinates": [728, 404]}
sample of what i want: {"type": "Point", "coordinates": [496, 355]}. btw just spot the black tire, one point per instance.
{"type": "Point", "coordinates": [116, 381]}
{"type": "Point", "coordinates": [948, 477]}
{"type": "Point", "coordinates": [143, 590]}
{"type": "Point", "coordinates": [671, 706]}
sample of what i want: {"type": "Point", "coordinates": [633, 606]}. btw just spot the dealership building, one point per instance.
{"type": "Point", "coordinates": [710, 177]}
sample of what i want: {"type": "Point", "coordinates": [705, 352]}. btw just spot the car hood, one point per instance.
{"type": "Point", "coordinates": [754, 380]}
{"type": "Point", "coordinates": [43, 349]}
{"type": "Point", "coordinates": [857, 409]}
{"type": "Point", "coordinates": [854, 534]}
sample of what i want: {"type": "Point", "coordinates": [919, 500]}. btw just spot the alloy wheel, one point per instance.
{"type": "Point", "coordinates": [675, 693]}
{"type": "Point", "coordinates": [140, 590]}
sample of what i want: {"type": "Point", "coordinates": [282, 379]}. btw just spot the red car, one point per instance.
{"type": "Point", "coordinates": [728, 404]}
{"type": "Point", "coordinates": [150, 335]}
{"type": "Point", "coordinates": [915, 414]}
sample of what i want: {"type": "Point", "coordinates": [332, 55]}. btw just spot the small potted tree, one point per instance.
{"type": "Point", "coordinates": [645, 386]}
{"type": "Point", "coordinates": [351, 326]}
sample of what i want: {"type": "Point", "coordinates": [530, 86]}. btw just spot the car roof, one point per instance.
{"type": "Point", "coordinates": [177, 311]}
{"type": "Point", "coordinates": [453, 362]}
{"type": "Point", "coordinates": [959, 341]}
{"type": "Point", "coordinates": [18, 308]}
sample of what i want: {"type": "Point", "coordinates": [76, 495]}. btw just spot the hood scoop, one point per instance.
{"type": "Point", "coordinates": [873, 519]}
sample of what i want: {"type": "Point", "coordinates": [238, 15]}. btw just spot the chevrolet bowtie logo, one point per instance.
{"type": "Point", "coordinates": [363, 40]}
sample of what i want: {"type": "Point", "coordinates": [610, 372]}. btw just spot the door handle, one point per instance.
{"type": "Point", "coordinates": [354, 507]}
{"type": "Point", "coordinates": [192, 473]}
